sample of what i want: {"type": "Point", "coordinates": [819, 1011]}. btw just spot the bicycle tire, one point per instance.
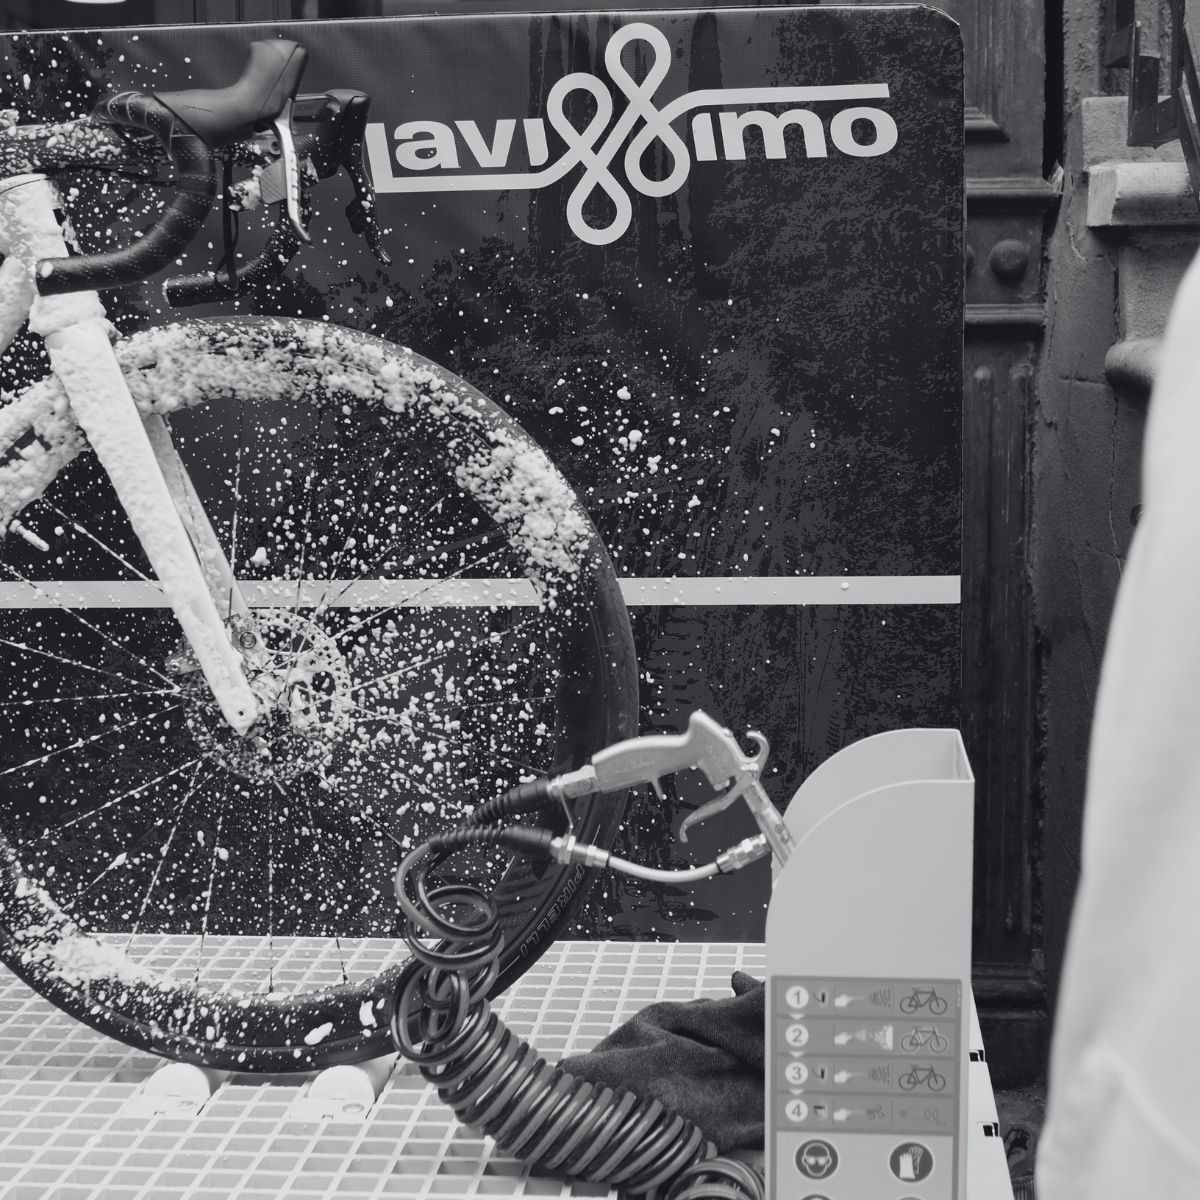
{"type": "Point", "coordinates": [937, 1006]}
{"type": "Point", "coordinates": [487, 464]}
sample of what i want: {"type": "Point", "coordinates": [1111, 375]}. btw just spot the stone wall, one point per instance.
{"type": "Point", "coordinates": [1122, 238]}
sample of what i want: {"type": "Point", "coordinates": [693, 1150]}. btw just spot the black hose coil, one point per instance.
{"type": "Point", "coordinates": [496, 1082]}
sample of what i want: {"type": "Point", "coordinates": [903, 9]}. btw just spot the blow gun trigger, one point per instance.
{"type": "Point", "coordinates": [745, 777]}
{"type": "Point", "coordinates": [720, 804]}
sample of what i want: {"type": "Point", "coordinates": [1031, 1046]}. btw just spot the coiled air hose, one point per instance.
{"type": "Point", "coordinates": [441, 1020]}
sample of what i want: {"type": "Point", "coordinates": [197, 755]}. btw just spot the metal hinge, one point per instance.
{"type": "Point", "coordinates": [1154, 118]}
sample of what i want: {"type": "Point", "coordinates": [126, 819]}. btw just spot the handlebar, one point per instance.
{"type": "Point", "coordinates": [191, 127]}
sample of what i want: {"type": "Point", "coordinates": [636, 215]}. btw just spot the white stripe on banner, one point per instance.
{"type": "Point", "coordinates": [793, 589]}
{"type": "Point", "coordinates": [505, 593]}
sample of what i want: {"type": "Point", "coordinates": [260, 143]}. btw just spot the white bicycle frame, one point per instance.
{"type": "Point", "coordinates": [146, 472]}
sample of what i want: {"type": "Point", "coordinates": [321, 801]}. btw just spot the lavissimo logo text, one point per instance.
{"type": "Point", "coordinates": [433, 148]}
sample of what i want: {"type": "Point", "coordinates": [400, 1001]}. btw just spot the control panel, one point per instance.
{"type": "Point", "coordinates": [863, 1076]}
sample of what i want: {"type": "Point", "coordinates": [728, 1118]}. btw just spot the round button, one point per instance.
{"type": "Point", "coordinates": [797, 997]}
{"type": "Point", "coordinates": [911, 1162]}
{"type": "Point", "coordinates": [796, 1073]}
{"type": "Point", "coordinates": [796, 1036]}
{"type": "Point", "coordinates": [817, 1159]}
{"type": "Point", "coordinates": [796, 1111]}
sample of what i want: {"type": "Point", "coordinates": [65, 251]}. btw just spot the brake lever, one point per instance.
{"type": "Point", "coordinates": [291, 172]}
{"type": "Point", "coordinates": [332, 125]}
{"type": "Point", "coordinates": [361, 210]}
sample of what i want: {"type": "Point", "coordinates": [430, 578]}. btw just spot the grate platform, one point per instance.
{"type": "Point", "coordinates": [71, 1129]}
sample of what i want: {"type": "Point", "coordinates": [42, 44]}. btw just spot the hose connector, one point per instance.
{"type": "Point", "coordinates": [743, 854]}
{"type": "Point", "coordinates": [536, 795]}
{"type": "Point", "coordinates": [570, 850]}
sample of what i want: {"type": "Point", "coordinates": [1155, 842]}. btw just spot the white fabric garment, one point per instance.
{"type": "Point", "coordinates": [1124, 1104]}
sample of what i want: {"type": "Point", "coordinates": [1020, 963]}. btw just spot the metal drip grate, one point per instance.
{"type": "Point", "coordinates": [70, 1128]}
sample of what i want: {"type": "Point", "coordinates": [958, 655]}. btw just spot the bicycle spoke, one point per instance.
{"type": "Point", "coordinates": [458, 706]}
{"type": "Point", "coordinates": [396, 773]}
{"type": "Point", "coordinates": [81, 742]}
{"type": "Point", "coordinates": [25, 648]}
{"type": "Point", "coordinates": [136, 791]}
{"type": "Point", "coordinates": [212, 874]}
{"type": "Point", "coordinates": [371, 568]}
{"type": "Point", "coordinates": [304, 538]}
{"type": "Point", "coordinates": [367, 501]}
{"type": "Point", "coordinates": [85, 623]}
{"type": "Point", "coordinates": [329, 892]}
{"type": "Point", "coordinates": [412, 601]}
{"type": "Point", "coordinates": [442, 736]}
{"type": "Point", "coordinates": [270, 891]}
{"type": "Point", "coordinates": [119, 861]}
{"type": "Point", "coordinates": [416, 666]}
{"type": "Point", "coordinates": [237, 502]}
{"type": "Point", "coordinates": [87, 533]}
{"type": "Point", "coordinates": [34, 700]}
{"type": "Point", "coordinates": [165, 850]}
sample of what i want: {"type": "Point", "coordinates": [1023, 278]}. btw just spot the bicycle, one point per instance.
{"type": "Point", "coordinates": [922, 997]}
{"type": "Point", "coordinates": [924, 1036]}
{"type": "Point", "coordinates": [927, 1075]}
{"type": "Point", "coordinates": [353, 598]}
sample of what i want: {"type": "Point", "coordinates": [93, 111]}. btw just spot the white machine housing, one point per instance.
{"type": "Point", "coordinates": [869, 976]}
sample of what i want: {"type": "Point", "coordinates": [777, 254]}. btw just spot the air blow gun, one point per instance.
{"type": "Point", "coordinates": [706, 747]}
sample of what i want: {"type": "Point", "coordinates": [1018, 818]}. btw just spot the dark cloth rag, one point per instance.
{"type": "Point", "coordinates": [701, 1058]}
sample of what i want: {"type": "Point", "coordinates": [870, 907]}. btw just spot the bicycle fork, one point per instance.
{"type": "Point", "coordinates": [76, 335]}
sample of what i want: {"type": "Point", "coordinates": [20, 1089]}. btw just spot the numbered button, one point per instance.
{"type": "Point", "coordinates": [796, 1073]}
{"type": "Point", "coordinates": [797, 997]}
{"type": "Point", "coordinates": [796, 1036]}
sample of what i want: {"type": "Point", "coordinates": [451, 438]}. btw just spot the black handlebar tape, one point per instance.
{"type": "Point", "coordinates": [196, 189]}
{"type": "Point", "coordinates": [205, 288]}
{"type": "Point", "coordinates": [210, 287]}
{"type": "Point", "coordinates": [270, 79]}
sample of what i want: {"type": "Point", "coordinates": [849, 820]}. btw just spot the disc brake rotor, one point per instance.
{"type": "Point", "coordinates": [302, 680]}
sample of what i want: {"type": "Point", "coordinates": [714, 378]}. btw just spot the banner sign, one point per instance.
{"type": "Point", "coordinates": [712, 262]}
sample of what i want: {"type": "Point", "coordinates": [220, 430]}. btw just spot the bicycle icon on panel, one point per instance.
{"type": "Point", "coordinates": [923, 998]}
{"type": "Point", "coordinates": [925, 1036]}
{"type": "Point", "coordinates": [915, 1076]}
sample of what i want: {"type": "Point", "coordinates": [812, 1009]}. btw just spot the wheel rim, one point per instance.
{"type": "Point", "coordinates": [423, 710]}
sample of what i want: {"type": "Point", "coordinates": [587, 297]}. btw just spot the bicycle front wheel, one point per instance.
{"type": "Point", "coordinates": [227, 900]}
